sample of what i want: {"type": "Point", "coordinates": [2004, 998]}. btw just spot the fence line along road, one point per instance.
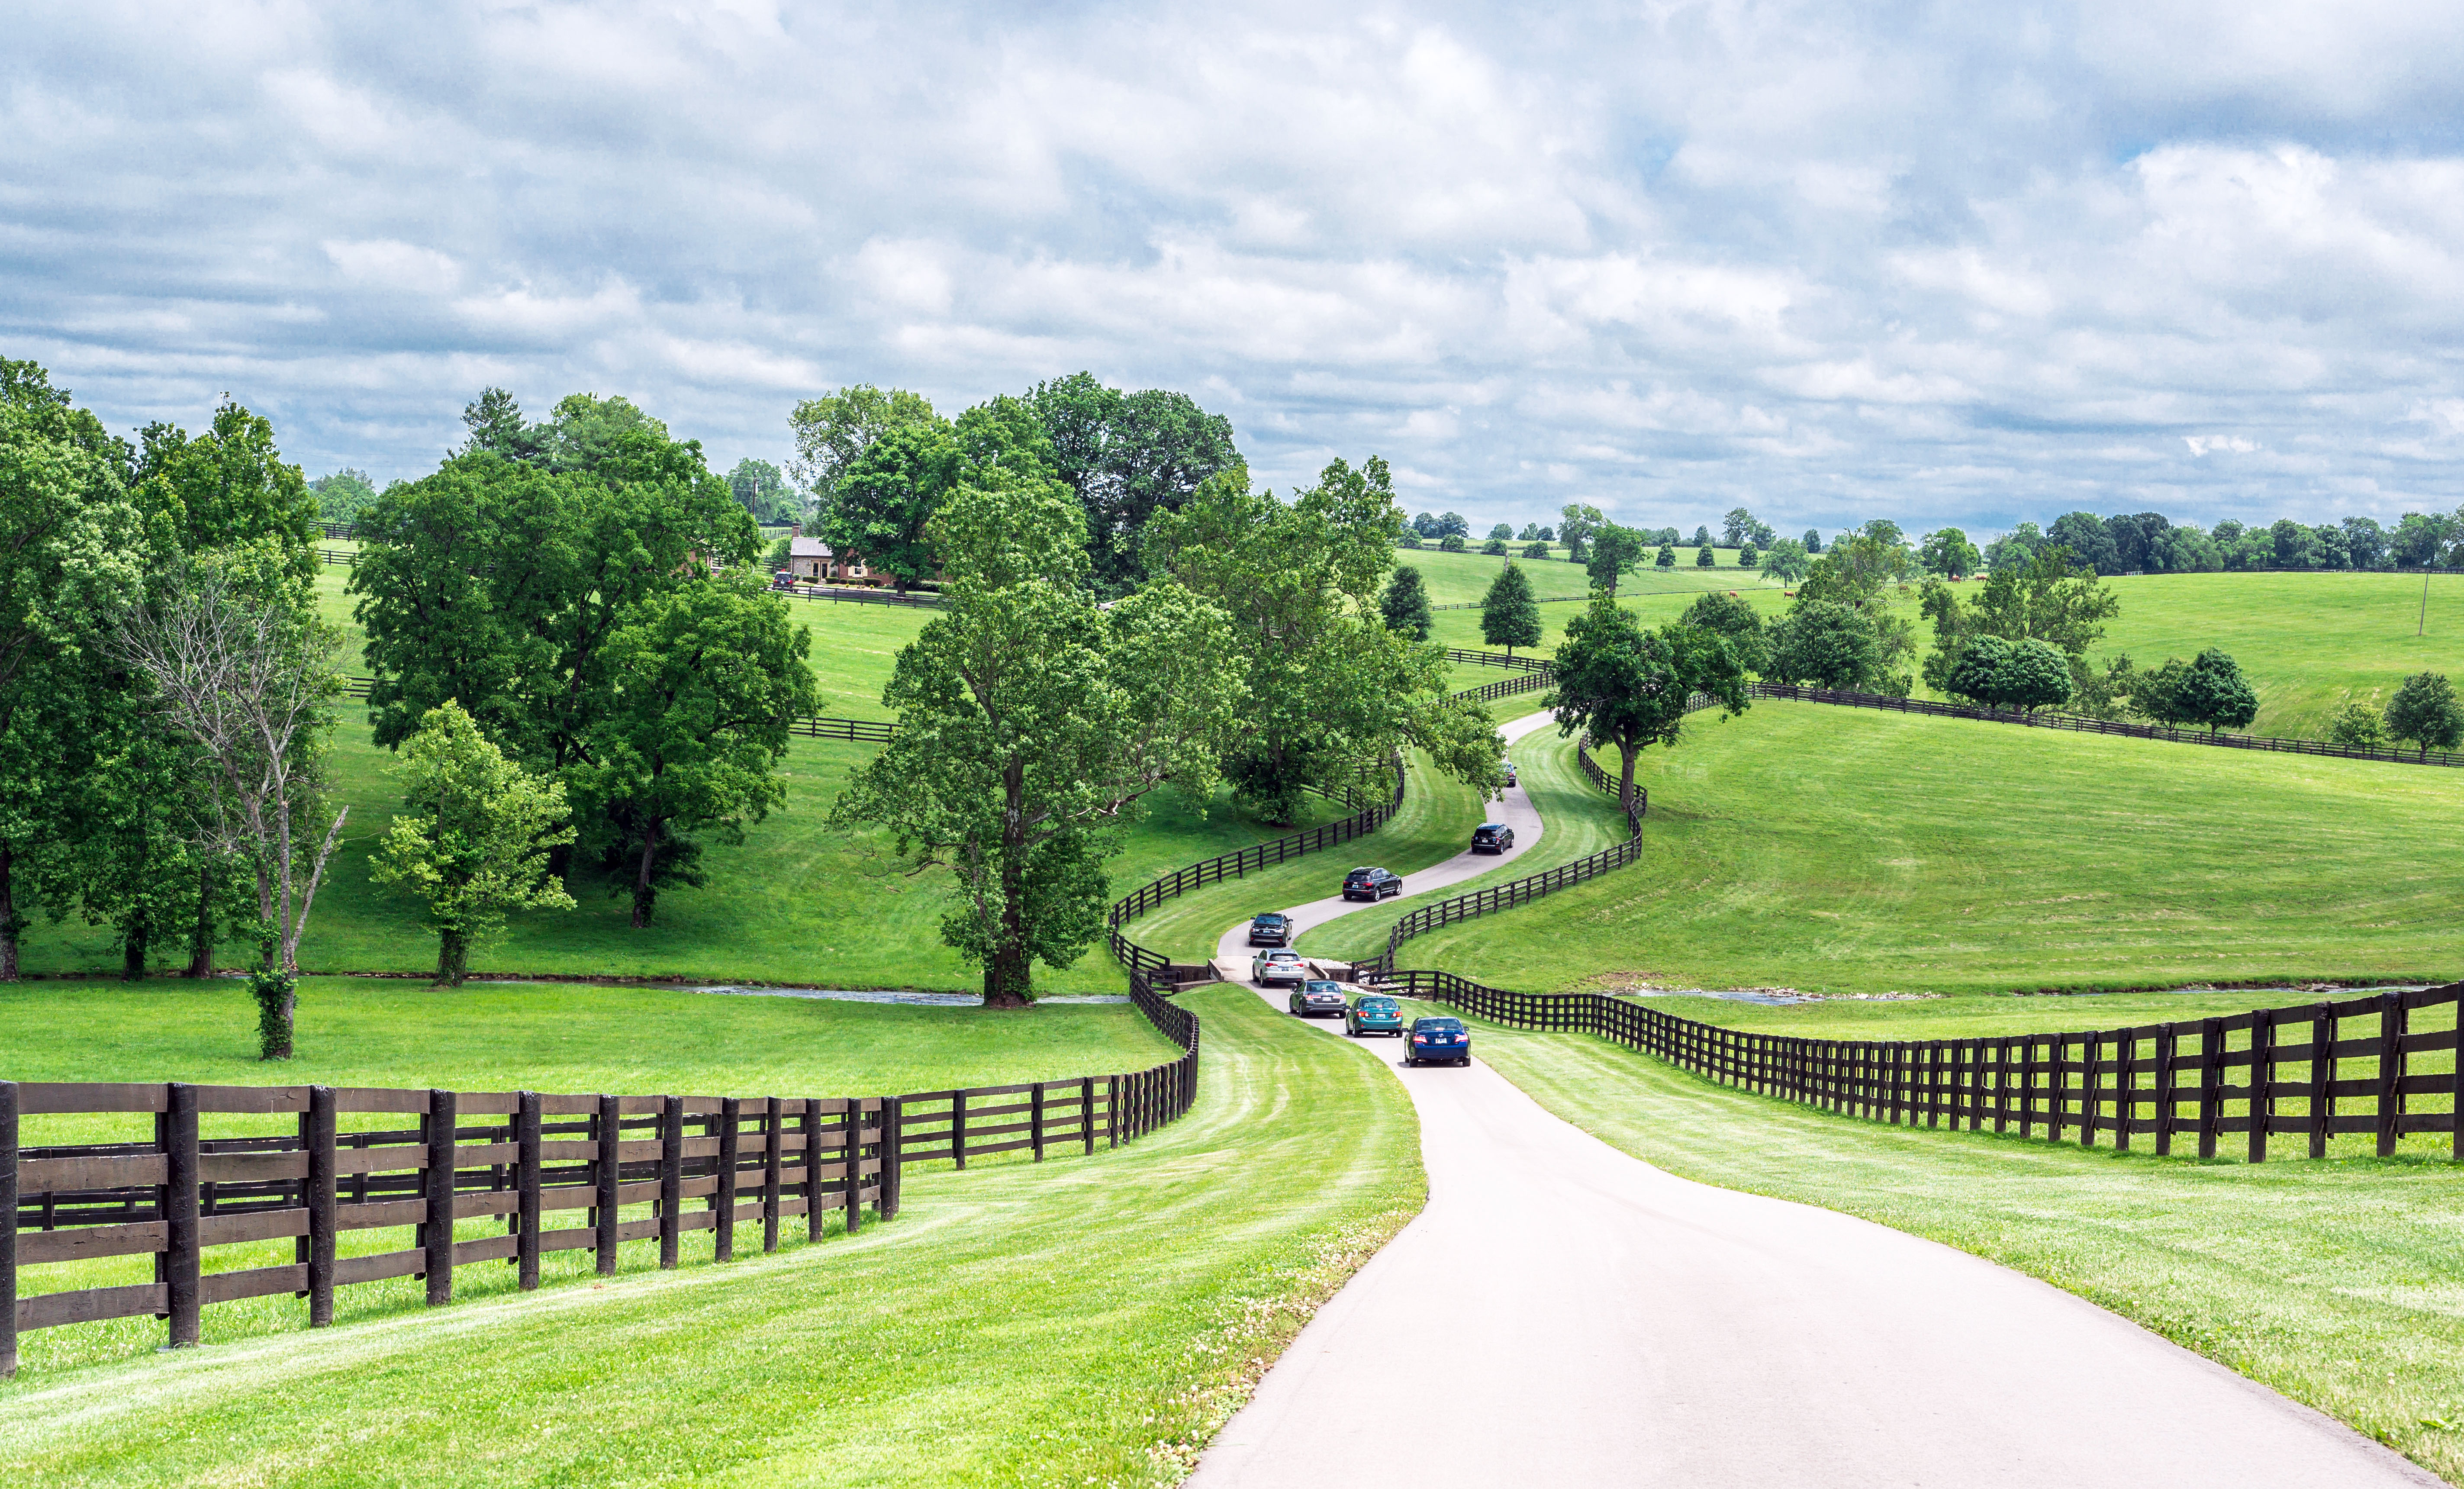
{"type": "Point", "coordinates": [522, 1155]}
{"type": "Point", "coordinates": [2291, 1072]}
{"type": "Point", "coordinates": [2075, 723]}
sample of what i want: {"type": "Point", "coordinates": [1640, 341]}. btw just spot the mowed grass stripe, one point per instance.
{"type": "Point", "coordinates": [1844, 850]}
{"type": "Point", "coordinates": [1085, 1321]}
{"type": "Point", "coordinates": [2338, 1284]}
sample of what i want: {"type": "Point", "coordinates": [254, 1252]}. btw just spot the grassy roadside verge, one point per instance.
{"type": "Point", "coordinates": [1092, 1320]}
{"type": "Point", "coordinates": [2338, 1284]}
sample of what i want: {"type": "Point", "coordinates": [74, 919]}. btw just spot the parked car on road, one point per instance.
{"type": "Point", "coordinates": [1436, 1039]}
{"type": "Point", "coordinates": [1370, 883]}
{"type": "Point", "coordinates": [1270, 929]}
{"type": "Point", "coordinates": [1373, 1013]}
{"type": "Point", "coordinates": [1271, 966]}
{"type": "Point", "coordinates": [1510, 773]}
{"type": "Point", "coordinates": [1317, 996]}
{"type": "Point", "coordinates": [1492, 838]}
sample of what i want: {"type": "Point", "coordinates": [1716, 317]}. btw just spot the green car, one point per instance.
{"type": "Point", "coordinates": [1373, 1013]}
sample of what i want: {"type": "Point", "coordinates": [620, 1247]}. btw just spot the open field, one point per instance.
{"type": "Point", "coordinates": [2308, 642]}
{"type": "Point", "coordinates": [1840, 850]}
{"type": "Point", "coordinates": [2336, 1283]}
{"type": "Point", "coordinates": [1085, 1321]}
{"type": "Point", "coordinates": [1580, 822]}
{"type": "Point", "coordinates": [1657, 595]}
{"type": "Point", "coordinates": [796, 902]}
{"type": "Point", "coordinates": [1435, 820]}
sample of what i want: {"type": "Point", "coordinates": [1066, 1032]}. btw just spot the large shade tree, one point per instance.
{"type": "Point", "coordinates": [1127, 455]}
{"type": "Point", "coordinates": [1622, 684]}
{"type": "Point", "coordinates": [1334, 694]}
{"type": "Point", "coordinates": [1033, 721]}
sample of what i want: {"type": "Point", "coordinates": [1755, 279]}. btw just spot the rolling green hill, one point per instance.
{"type": "Point", "coordinates": [1841, 850]}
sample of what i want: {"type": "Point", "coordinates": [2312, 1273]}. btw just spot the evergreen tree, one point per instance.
{"type": "Point", "coordinates": [1405, 605]}
{"type": "Point", "coordinates": [1509, 616]}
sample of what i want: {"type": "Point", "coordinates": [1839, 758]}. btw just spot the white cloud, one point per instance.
{"type": "Point", "coordinates": [1967, 265]}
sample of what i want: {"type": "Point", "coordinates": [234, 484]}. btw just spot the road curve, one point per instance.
{"type": "Point", "coordinates": [1562, 1314]}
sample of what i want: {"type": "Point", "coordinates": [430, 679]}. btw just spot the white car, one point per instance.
{"type": "Point", "coordinates": [1278, 966]}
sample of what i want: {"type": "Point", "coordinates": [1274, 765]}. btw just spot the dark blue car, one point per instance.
{"type": "Point", "coordinates": [1438, 1039]}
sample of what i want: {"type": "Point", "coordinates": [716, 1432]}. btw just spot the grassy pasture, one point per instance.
{"type": "Point", "coordinates": [796, 902]}
{"type": "Point", "coordinates": [1839, 851]}
{"type": "Point", "coordinates": [1088, 1321]}
{"type": "Point", "coordinates": [2336, 1283]}
{"type": "Point", "coordinates": [2308, 642]}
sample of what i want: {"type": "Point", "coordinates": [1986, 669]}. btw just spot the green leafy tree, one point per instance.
{"type": "Point", "coordinates": [1616, 551]}
{"type": "Point", "coordinates": [2159, 696]}
{"type": "Point", "coordinates": [475, 845]}
{"type": "Point", "coordinates": [762, 489]}
{"type": "Point", "coordinates": [833, 430]}
{"type": "Point", "coordinates": [1502, 532]}
{"type": "Point", "coordinates": [885, 499]}
{"type": "Point", "coordinates": [1128, 456]}
{"type": "Point", "coordinates": [1946, 552]}
{"type": "Point", "coordinates": [1452, 524]}
{"type": "Point", "coordinates": [1667, 559]}
{"type": "Point", "coordinates": [1737, 528]}
{"type": "Point", "coordinates": [1825, 644]}
{"type": "Point", "coordinates": [1702, 538]}
{"type": "Point", "coordinates": [1727, 616]}
{"type": "Point", "coordinates": [1494, 548]}
{"type": "Point", "coordinates": [1452, 542]}
{"type": "Point", "coordinates": [705, 681]}
{"type": "Point", "coordinates": [1409, 539]}
{"type": "Point", "coordinates": [2425, 710]}
{"type": "Point", "coordinates": [2359, 726]}
{"type": "Point", "coordinates": [1405, 605]}
{"type": "Point", "coordinates": [2035, 676]}
{"type": "Point", "coordinates": [1535, 550]}
{"type": "Point", "coordinates": [1813, 541]}
{"type": "Point", "coordinates": [1032, 721]}
{"type": "Point", "coordinates": [1621, 684]}
{"type": "Point", "coordinates": [1785, 560]}
{"type": "Point", "coordinates": [227, 489]}
{"type": "Point", "coordinates": [342, 496]}
{"type": "Point", "coordinates": [1530, 533]}
{"type": "Point", "coordinates": [2217, 694]}
{"type": "Point", "coordinates": [1334, 694]}
{"type": "Point", "coordinates": [1509, 616]}
{"type": "Point", "coordinates": [1703, 559]}
{"type": "Point", "coordinates": [1979, 672]}
{"type": "Point", "coordinates": [2045, 598]}
{"type": "Point", "coordinates": [1576, 523]}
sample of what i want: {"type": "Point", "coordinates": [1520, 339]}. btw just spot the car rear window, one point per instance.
{"type": "Point", "coordinates": [1377, 1005]}
{"type": "Point", "coordinates": [1448, 1025]}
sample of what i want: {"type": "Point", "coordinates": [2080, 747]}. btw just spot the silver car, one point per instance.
{"type": "Point", "coordinates": [1278, 966]}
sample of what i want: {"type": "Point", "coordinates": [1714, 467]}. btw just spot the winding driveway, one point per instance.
{"type": "Point", "coordinates": [1562, 1314]}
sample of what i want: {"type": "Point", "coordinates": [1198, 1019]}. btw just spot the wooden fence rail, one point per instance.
{"type": "Point", "coordinates": [2311, 1071]}
{"type": "Point", "coordinates": [697, 1161]}
{"type": "Point", "coordinates": [863, 730]}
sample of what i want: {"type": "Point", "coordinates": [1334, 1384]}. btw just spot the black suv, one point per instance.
{"type": "Point", "coordinates": [1370, 884]}
{"type": "Point", "coordinates": [1492, 838]}
{"type": "Point", "coordinates": [1270, 929]}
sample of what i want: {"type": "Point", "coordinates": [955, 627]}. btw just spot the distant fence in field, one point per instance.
{"type": "Point", "coordinates": [701, 1162]}
{"type": "Point", "coordinates": [2075, 723]}
{"type": "Point", "coordinates": [862, 731]}
{"type": "Point", "coordinates": [2272, 1072]}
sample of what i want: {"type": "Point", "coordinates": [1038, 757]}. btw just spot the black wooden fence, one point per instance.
{"type": "Point", "coordinates": [863, 730]}
{"type": "Point", "coordinates": [2310, 1071]}
{"type": "Point", "coordinates": [698, 1163]}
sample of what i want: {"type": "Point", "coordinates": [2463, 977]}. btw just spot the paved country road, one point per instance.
{"type": "Point", "coordinates": [1563, 1314]}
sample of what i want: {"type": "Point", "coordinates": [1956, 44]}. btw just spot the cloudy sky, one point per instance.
{"type": "Point", "coordinates": [1962, 263]}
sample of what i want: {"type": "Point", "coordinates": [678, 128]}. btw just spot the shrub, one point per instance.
{"type": "Point", "coordinates": [1452, 542]}
{"type": "Point", "coordinates": [1495, 548]}
{"type": "Point", "coordinates": [2360, 727]}
{"type": "Point", "coordinates": [1535, 551]}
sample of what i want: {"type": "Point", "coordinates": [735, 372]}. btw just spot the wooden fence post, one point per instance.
{"type": "Point", "coordinates": [2211, 1080]}
{"type": "Point", "coordinates": [810, 1126]}
{"type": "Point", "coordinates": [893, 1159]}
{"type": "Point", "coordinates": [181, 1258]}
{"type": "Point", "coordinates": [2027, 1085]}
{"type": "Point", "coordinates": [7, 1230]}
{"type": "Point", "coordinates": [671, 1178]}
{"type": "Point", "coordinates": [1035, 1121]}
{"type": "Point", "coordinates": [773, 1139]}
{"type": "Point", "coordinates": [731, 1114]}
{"type": "Point", "coordinates": [958, 1127]}
{"type": "Point", "coordinates": [1087, 1111]}
{"type": "Point", "coordinates": [320, 1202]}
{"type": "Point", "coordinates": [2323, 1077]}
{"type": "Point", "coordinates": [2262, 1081]}
{"type": "Point", "coordinates": [2168, 1048]}
{"type": "Point", "coordinates": [526, 1188]}
{"type": "Point", "coordinates": [437, 1229]}
{"type": "Point", "coordinates": [853, 1153]}
{"type": "Point", "coordinates": [2091, 1079]}
{"type": "Point", "coordinates": [1113, 1108]}
{"type": "Point", "coordinates": [605, 1171]}
{"type": "Point", "coordinates": [2390, 1081]}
